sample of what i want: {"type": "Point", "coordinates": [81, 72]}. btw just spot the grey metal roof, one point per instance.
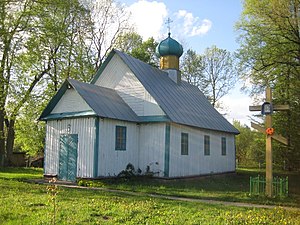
{"type": "Point", "coordinates": [104, 101]}
{"type": "Point", "coordinates": [183, 103]}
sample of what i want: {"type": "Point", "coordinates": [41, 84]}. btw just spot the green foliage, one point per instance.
{"type": "Point", "coordinates": [30, 135]}
{"type": "Point", "coordinates": [33, 56]}
{"type": "Point", "coordinates": [42, 43]}
{"type": "Point", "coordinates": [192, 69]}
{"type": "Point", "coordinates": [128, 41]}
{"type": "Point", "coordinates": [84, 183]}
{"type": "Point", "coordinates": [250, 146]}
{"type": "Point", "coordinates": [270, 56]}
{"type": "Point", "coordinates": [133, 44]}
{"type": "Point", "coordinates": [220, 72]}
{"type": "Point", "coordinates": [129, 172]}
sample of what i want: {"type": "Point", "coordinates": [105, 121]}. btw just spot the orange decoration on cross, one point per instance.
{"type": "Point", "coordinates": [270, 131]}
{"type": "Point", "coordinates": [267, 109]}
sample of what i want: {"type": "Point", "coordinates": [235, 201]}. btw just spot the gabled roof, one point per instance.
{"type": "Point", "coordinates": [103, 101]}
{"type": "Point", "coordinates": [182, 103]}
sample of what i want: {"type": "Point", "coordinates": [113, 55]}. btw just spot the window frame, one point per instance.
{"type": "Point", "coordinates": [184, 143]}
{"type": "Point", "coordinates": [120, 138]}
{"type": "Point", "coordinates": [206, 145]}
{"type": "Point", "coordinates": [223, 146]}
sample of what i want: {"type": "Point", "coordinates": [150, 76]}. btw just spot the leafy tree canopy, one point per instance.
{"type": "Point", "coordinates": [214, 72]}
{"type": "Point", "coordinates": [133, 44]}
{"type": "Point", "coordinates": [270, 56]}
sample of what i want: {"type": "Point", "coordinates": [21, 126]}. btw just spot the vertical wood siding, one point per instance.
{"type": "Point", "coordinates": [196, 163]}
{"type": "Point", "coordinates": [112, 162]}
{"type": "Point", "coordinates": [85, 128]}
{"type": "Point", "coordinates": [145, 146]}
{"type": "Point", "coordinates": [71, 101]}
{"type": "Point", "coordinates": [152, 148]}
{"type": "Point", "coordinates": [118, 76]}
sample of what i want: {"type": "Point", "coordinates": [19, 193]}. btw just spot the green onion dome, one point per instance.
{"type": "Point", "coordinates": [169, 46]}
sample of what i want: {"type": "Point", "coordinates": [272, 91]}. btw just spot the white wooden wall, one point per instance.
{"type": "Point", "coordinates": [71, 101]}
{"type": "Point", "coordinates": [145, 146]}
{"type": "Point", "coordinates": [152, 148]}
{"type": "Point", "coordinates": [118, 76]}
{"type": "Point", "coordinates": [85, 128]}
{"type": "Point", "coordinates": [112, 162]}
{"type": "Point", "coordinates": [196, 163]}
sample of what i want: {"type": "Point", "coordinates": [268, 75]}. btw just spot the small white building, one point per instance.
{"type": "Point", "coordinates": [134, 113]}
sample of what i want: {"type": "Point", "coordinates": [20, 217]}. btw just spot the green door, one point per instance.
{"type": "Point", "coordinates": [68, 157]}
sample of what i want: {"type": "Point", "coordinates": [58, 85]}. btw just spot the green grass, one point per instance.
{"type": "Point", "coordinates": [21, 173]}
{"type": "Point", "coordinates": [27, 203]}
{"type": "Point", "coordinates": [228, 187]}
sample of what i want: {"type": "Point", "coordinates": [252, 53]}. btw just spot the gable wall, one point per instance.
{"type": "Point", "coordinates": [71, 101]}
{"type": "Point", "coordinates": [196, 163]}
{"type": "Point", "coordinates": [118, 76]}
{"type": "Point", "coordinates": [85, 128]}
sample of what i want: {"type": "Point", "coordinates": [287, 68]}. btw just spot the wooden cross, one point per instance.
{"type": "Point", "coordinates": [267, 109]}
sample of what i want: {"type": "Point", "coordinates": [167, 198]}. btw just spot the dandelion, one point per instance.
{"type": "Point", "coordinates": [52, 191]}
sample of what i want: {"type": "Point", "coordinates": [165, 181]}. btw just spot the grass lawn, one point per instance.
{"type": "Point", "coordinates": [227, 187]}
{"type": "Point", "coordinates": [26, 203]}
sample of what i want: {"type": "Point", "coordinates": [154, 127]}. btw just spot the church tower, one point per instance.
{"type": "Point", "coordinates": [169, 51]}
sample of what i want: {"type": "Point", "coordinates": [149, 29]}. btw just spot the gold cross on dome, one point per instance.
{"type": "Point", "coordinates": [169, 21]}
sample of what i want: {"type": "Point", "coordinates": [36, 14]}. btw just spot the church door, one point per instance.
{"type": "Point", "coordinates": [68, 157]}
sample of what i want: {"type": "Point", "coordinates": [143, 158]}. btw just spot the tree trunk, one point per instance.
{"type": "Point", "coordinates": [10, 141]}
{"type": "Point", "coordinates": [2, 139]}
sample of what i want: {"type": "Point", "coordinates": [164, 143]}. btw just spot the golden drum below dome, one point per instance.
{"type": "Point", "coordinates": [169, 62]}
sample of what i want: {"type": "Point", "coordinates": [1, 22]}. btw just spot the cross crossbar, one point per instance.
{"type": "Point", "coordinates": [277, 137]}
{"type": "Point", "coordinates": [275, 107]}
{"type": "Point", "coordinates": [267, 109]}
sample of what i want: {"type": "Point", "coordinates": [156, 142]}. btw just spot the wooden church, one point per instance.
{"type": "Point", "coordinates": [134, 113]}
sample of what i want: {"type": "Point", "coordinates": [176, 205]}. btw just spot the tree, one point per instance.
{"type": "Point", "coordinates": [128, 41]}
{"type": "Point", "coordinates": [30, 133]}
{"type": "Point", "coordinates": [250, 146]}
{"type": "Point", "coordinates": [270, 56]}
{"type": "Point", "coordinates": [109, 19]}
{"type": "Point", "coordinates": [193, 70]}
{"type": "Point", "coordinates": [15, 23]}
{"type": "Point", "coordinates": [35, 37]}
{"type": "Point", "coordinates": [220, 73]}
{"type": "Point", "coordinates": [132, 43]}
{"type": "Point", "coordinates": [42, 43]}
{"type": "Point", "coordinates": [214, 72]}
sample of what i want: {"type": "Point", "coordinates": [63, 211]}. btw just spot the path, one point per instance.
{"type": "Point", "coordinates": [187, 199]}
